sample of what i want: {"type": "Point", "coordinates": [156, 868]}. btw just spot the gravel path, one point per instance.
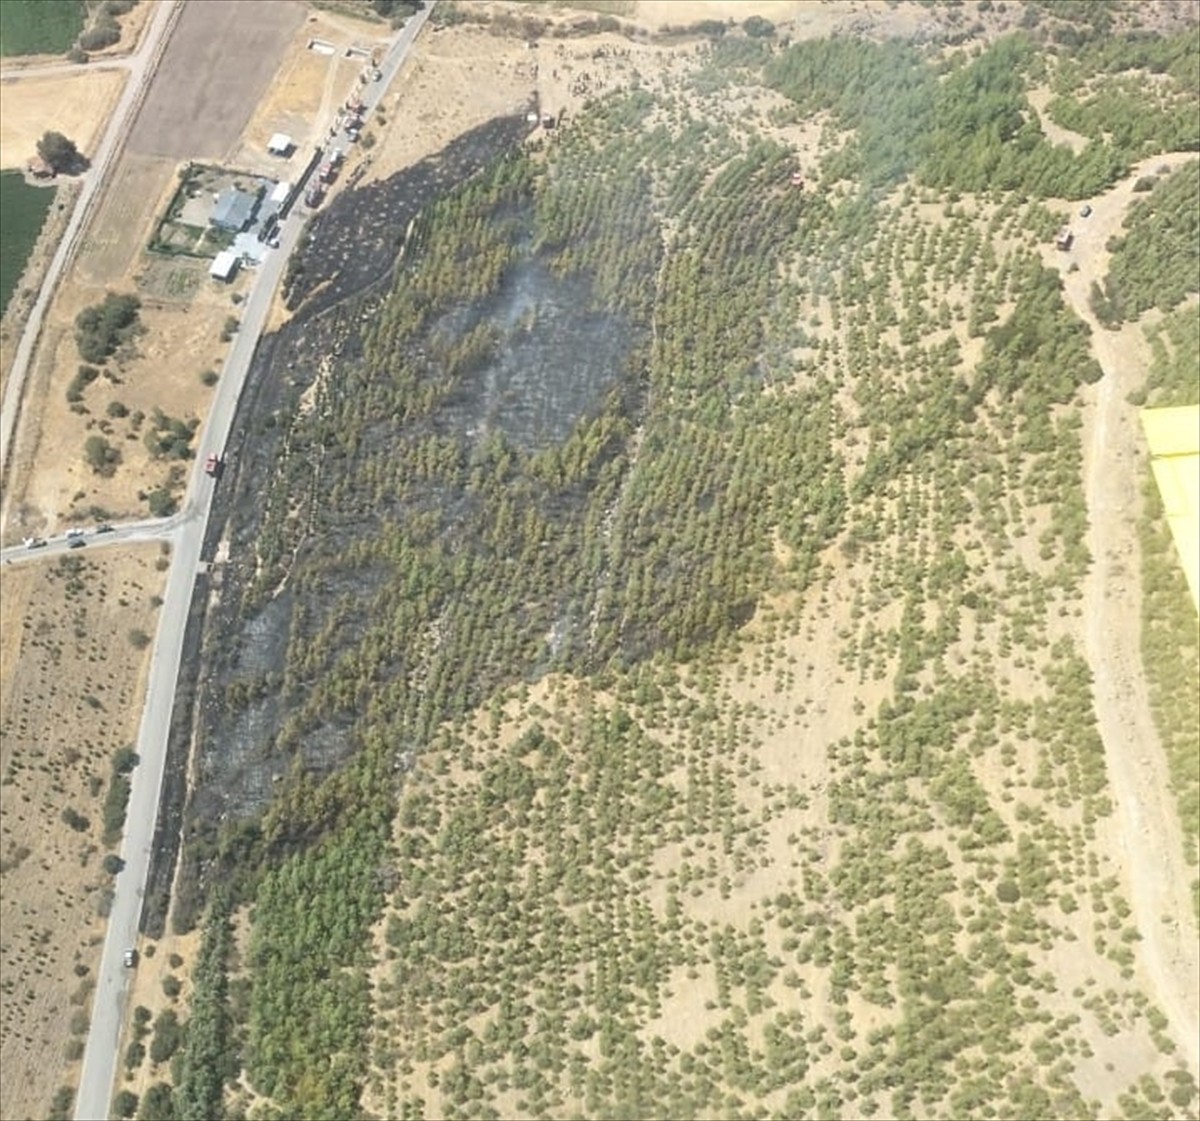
{"type": "Point", "coordinates": [1150, 843]}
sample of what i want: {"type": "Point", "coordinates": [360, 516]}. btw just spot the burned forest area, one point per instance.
{"type": "Point", "coordinates": [639, 668]}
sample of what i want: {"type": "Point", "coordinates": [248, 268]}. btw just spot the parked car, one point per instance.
{"type": "Point", "coordinates": [76, 532]}
{"type": "Point", "coordinates": [104, 527]}
{"type": "Point", "coordinates": [76, 543]}
{"type": "Point", "coordinates": [35, 542]}
{"type": "Point", "coordinates": [1084, 211]}
{"type": "Point", "coordinates": [130, 958]}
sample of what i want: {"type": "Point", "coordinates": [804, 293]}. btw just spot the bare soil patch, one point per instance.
{"type": "Point", "coordinates": [217, 66]}
{"type": "Point", "coordinates": [71, 683]}
{"type": "Point", "coordinates": [1040, 98]}
{"type": "Point", "coordinates": [1147, 834]}
{"type": "Point", "coordinates": [77, 105]}
{"type": "Point", "coordinates": [306, 91]}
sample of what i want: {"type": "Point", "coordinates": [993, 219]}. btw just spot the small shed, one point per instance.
{"type": "Point", "coordinates": [233, 210]}
{"type": "Point", "coordinates": [224, 266]}
{"type": "Point", "coordinates": [280, 144]}
{"type": "Point", "coordinates": [39, 168]}
{"type": "Point", "coordinates": [1065, 238]}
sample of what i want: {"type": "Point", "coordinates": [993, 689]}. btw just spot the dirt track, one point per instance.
{"type": "Point", "coordinates": [1148, 839]}
{"type": "Point", "coordinates": [221, 59]}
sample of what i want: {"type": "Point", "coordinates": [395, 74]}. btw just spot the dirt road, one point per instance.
{"type": "Point", "coordinates": [1149, 838]}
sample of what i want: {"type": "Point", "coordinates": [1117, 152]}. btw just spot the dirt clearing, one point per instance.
{"type": "Point", "coordinates": [183, 312]}
{"type": "Point", "coordinates": [72, 674]}
{"type": "Point", "coordinates": [77, 105]}
{"type": "Point", "coordinates": [216, 68]}
{"type": "Point", "coordinates": [307, 90]}
{"type": "Point", "coordinates": [121, 228]}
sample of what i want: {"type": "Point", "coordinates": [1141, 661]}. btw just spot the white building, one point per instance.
{"type": "Point", "coordinates": [280, 144]}
{"type": "Point", "coordinates": [224, 266]}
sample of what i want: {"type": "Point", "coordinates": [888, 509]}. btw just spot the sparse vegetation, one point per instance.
{"type": "Point", "coordinates": [1153, 263]}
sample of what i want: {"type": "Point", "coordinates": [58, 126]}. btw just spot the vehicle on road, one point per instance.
{"type": "Point", "coordinates": [104, 527]}
{"type": "Point", "coordinates": [76, 543]}
{"type": "Point", "coordinates": [76, 532]}
{"type": "Point", "coordinates": [35, 542]}
{"type": "Point", "coordinates": [213, 465]}
{"type": "Point", "coordinates": [130, 958]}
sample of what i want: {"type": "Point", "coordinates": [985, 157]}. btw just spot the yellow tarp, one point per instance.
{"type": "Point", "coordinates": [1174, 439]}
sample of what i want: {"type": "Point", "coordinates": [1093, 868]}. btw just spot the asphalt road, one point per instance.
{"type": "Point", "coordinates": [141, 68]}
{"type": "Point", "coordinates": [186, 530]}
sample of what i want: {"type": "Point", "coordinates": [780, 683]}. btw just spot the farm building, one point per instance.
{"type": "Point", "coordinates": [280, 144]}
{"type": "Point", "coordinates": [224, 266]}
{"type": "Point", "coordinates": [39, 168]}
{"type": "Point", "coordinates": [233, 210]}
{"type": "Point", "coordinates": [279, 195]}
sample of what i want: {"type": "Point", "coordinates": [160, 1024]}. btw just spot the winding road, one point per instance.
{"type": "Point", "coordinates": [1149, 836]}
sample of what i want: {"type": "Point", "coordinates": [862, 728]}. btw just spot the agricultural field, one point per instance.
{"type": "Point", "coordinates": [190, 118]}
{"type": "Point", "coordinates": [40, 26]}
{"type": "Point", "coordinates": [25, 209]}
{"type": "Point", "coordinates": [672, 631]}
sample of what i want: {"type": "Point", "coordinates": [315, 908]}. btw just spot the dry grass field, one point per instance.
{"type": "Point", "coordinates": [71, 683]}
{"type": "Point", "coordinates": [217, 66]}
{"type": "Point", "coordinates": [183, 313]}
{"type": "Point", "coordinates": [77, 105]}
{"type": "Point", "coordinates": [117, 236]}
{"type": "Point", "coordinates": [306, 90]}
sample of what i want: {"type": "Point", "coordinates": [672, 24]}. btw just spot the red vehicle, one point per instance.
{"type": "Point", "coordinates": [212, 465]}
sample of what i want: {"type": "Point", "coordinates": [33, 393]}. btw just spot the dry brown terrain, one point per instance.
{"type": "Point", "coordinates": [1140, 845]}
{"type": "Point", "coordinates": [56, 746]}
{"type": "Point", "coordinates": [75, 104]}
{"type": "Point", "coordinates": [16, 315]}
{"type": "Point", "coordinates": [305, 92]}
{"type": "Point", "coordinates": [458, 78]}
{"type": "Point", "coordinates": [183, 315]}
{"type": "Point", "coordinates": [218, 64]}
{"type": "Point", "coordinates": [70, 689]}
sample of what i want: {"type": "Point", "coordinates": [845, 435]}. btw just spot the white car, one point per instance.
{"type": "Point", "coordinates": [77, 532]}
{"type": "Point", "coordinates": [130, 958]}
